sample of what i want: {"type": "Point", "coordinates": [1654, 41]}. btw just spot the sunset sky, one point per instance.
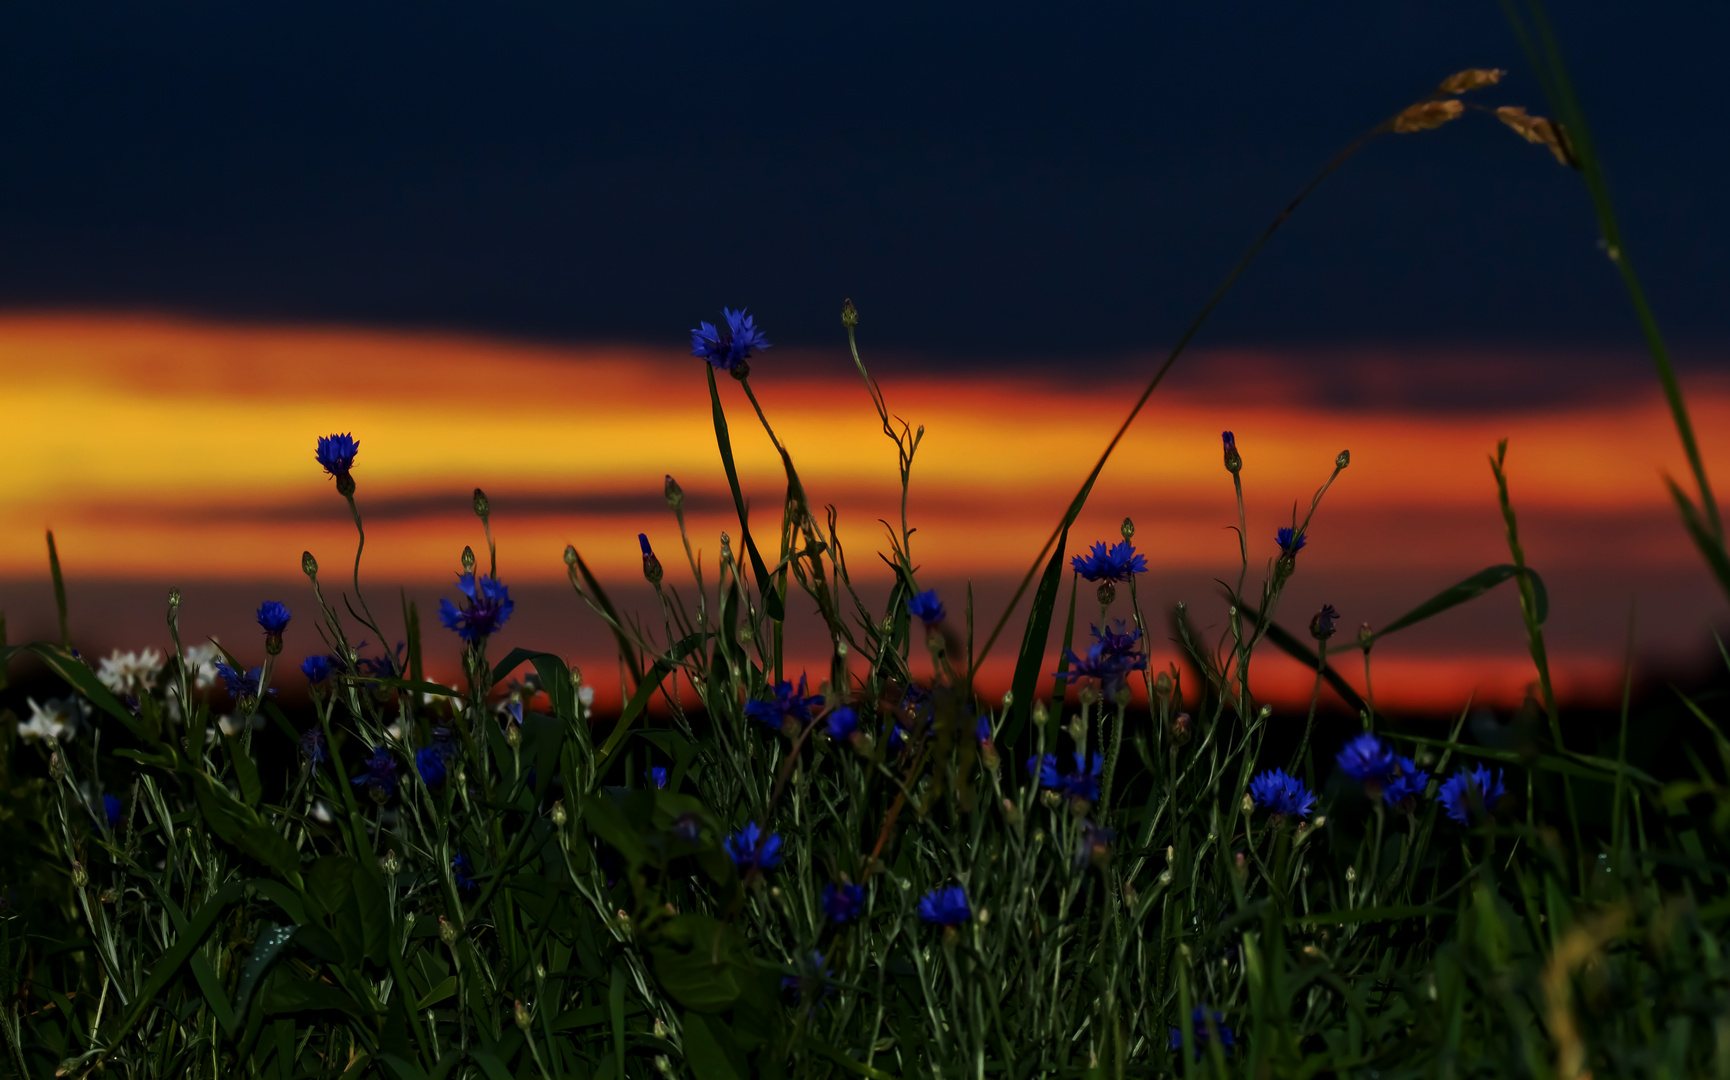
{"type": "Point", "coordinates": [477, 243]}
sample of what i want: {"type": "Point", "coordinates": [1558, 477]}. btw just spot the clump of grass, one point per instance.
{"type": "Point", "coordinates": [871, 870]}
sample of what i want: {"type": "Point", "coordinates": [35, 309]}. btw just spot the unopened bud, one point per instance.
{"type": "Point", "coordinates": [651, 565]}
{"type": "Point", "coordinates": [849, 314]}
{"type": "Point", "coordinates": [56, 767]}
{"type": "Point", "coordinates": [1248, 803]}
{"type": "Point", "coordinates": [1127, 529]}
{"type": "Point", "coordinates": [108, 896]}
{"type": "Point", "coordinates": [390, 864]}
{"type": "Point", "coordinates": [1039, 834]}
{"type": "Point", "coordinates": [1008, 698]}
{"type": "Point", "coordinates": [1107, 592]}
{"type": "Point", "coordinates": [520, 1014]}
{"type": "Point", "coordinates": [513, 734]}
{"type": "Point", "coordinates": [468, 559]}
{"type": "Point", "coordinates": [1040, 713]}
{"type": "Point", "coordinates": [559, 815]}
{"type": "Point", "coordinates": [570, 555]}
{"type": "Point", "coordinates": [1233, 462]}
{"type": "Point", "coordinates": [1050, 798]}
{"type": "Point", "coordinates": [447, 931]}
{"type": "Point", "coordinates": [1343, 459]}
{"type": "Point", "coordinates": [1351, 873]}
{"type": "Point", "coordinates": [1011, 813]}
{"type": "Point", "coordinates": [1322, 625]}
{"type": "Point", "coordinates": [173, 599]}
{"type": "Point", "coordinates": [1181, 728]}
{"type": "Point", "coordinates": [675, 494]}
{"type": "Point", "coordinates": [308, 564]}
{"type": "Point", "coordinates": [658, 1028]}
{"type": "Point", "coordinates": [80, 876]}
{"type": "Point", "coordinates": [482, 507]}
{"type": "Point", "coordinates": [1366, 636]}
{"type": "Point", "coordinates": [540, 971]}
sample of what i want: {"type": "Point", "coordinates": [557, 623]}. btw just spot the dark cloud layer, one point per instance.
{"type": "Point", "coordinates": [988, 181]}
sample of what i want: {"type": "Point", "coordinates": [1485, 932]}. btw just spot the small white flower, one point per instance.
{"type": "Point", "coordinates": [201, 665]}
{"type": "Point", "coordinates": [122, 672]}
{"type": "Point", "coordinates": [321, 812]}
{"type": "Point", "coordinates": [586, 695]}
{"type": "Point", "coordinates": [54, 719]}
{"type": "Point", "coordinates": [231, 725]}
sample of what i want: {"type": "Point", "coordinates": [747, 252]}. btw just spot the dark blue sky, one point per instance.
{"type": "Point", "coordinates": [985, 180]}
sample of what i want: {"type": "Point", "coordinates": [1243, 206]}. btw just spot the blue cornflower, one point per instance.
{"type": "Point", "coordinates": [1083, 783]}
{"type": "Point", "coordinates": [750, 849]}
{"type": "Point", "coordinates": [315, 668]}
{"type": "Point", "coordinates": [273, 617]}
{"type": "Point", "coordinates": [1115, 563]}
{"type": "Point", "coordinates": [336, 453]}
{"type": "Point", "coordinates": [843, 901]}
{"type": "Point", "coordinates": [787, 704]}
{"type": "Point", "coordinates": [926, 607]}
{"type": "Point", "coordinates": [1290, 542]}
{"type": "Point", "coordinates": [1322, 624]}
{"type": "Point", "coordinates": [1110, 659]}
{"type": "Point", "coordinates": [1405, 783]}
{"type": "Point", "coordinates": [945, 906]}
{"type": "Point", "coordinates": [313, 747]}
{"type": "Point", "coordinates": [657, 775]}
{"type": "Point", "coordinates": [813, 978]}
{"type": "Point", "coordinates": [1475, 791]}
{"type": "Point", "coordinates": [842, 723]}
{"type": "Point", "coordinates": [897, 739]}
{"type": "Point", "coordinates": [487, 608]}
{"type": "Point", "coordinates": [111, 811]}
{"type": "Point", "coordinates": [727, 349]}
{"type": "Point", "coordinates": [463, 873]}
{"type": "Point", "coordinates": [239, 685]}
{"type": "Point", "coordinates": [431, 765]}
{"type": "Point", "coordinates": [1199, 1033]}
{"type": "Point", "coordinates": [982, 730]}
{"type": "Point", "coordinates": [1233, 460]}
{"type": "Point", "coordinates": [1366, 758]}
{"type": "Point", "coordinates": [1281, 794]}
{"type": "Point", "coordinates": [380, 774]}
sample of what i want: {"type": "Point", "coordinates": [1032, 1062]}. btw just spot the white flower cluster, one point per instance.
{"type": "Point", "coordinates": [54, 719]}
{"type": "Point", "coordinates": [129, 672]}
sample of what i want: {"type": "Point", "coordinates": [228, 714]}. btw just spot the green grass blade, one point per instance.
{"type": "Point", "coordinates": [771, 602]}
{"type": "Point", "coordinates": [1031, 662]}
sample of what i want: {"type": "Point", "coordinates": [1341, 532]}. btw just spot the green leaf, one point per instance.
{"type": "Point", "coordinates": [771, 602]}
{"type": "Point", "coordinates": [245, 770]}
{"type": "Point", "coordinates": [490, 1064]}
{"type": "Point", "coordinates": [270, 945]}
{"type": "Point", "coordinates": [205, 975]}
{"type": "Point", "coordinates": [606, 819]}
{"type": "Point", "coordinates": [699, 963]}
{"type": "Point", "coordinates": [237, 824]}
{"type": "Point", "coordinates": [1452, 596]}
{"type": "Point", "coordinates": [178, 953]}
{"type": "Point", "coordinates": [1031, 662]}
{"type": "Point", "coordinates": [626, 648]}
{"type": "Point", "coordinates": [616, 1011]}
{"type": "Point", "coordinates": [294, 995]}
{"type": "Point", "coordinates": [1710, 547]}
{"type": "Point", "coordinates": [704, 1052]}
{"type": "Point", "coordinates": [404, 1070]}
{"type": "Point", "coordinates": [437, 994]}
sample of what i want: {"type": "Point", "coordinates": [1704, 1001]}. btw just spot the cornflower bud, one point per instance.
{"type": "Point", "coordinates": [1366, 636]}
{"type": "Point", "coordinates": [447, 931]}
{"type": "Point", "coordinates": [308, 564]}
{"type": "Point", "coordinates": [1008, 698]}
{"type": "Point", "coordinates": [675, 494]}
{"type": "Point", "coordinates": [520, 1014]}
{"type": "Point", "coordinates": [482, 507]}
{"type": "Point", "coordinates": [108, 896]}
{"type": "Point", "coordinates": [1127, 529]}
{"type": "Point", "coordinates": [1040, 713]}
{"type": "Point", "coordinates": [173, 600]}
{"type": "Point", "coordinates": [540, 971]}
{"type": "Point", "coordinates": [390, 864]}
{"type": "Point", "coordinates": [1233, 462]}
{"type": "Point", "coordinates": [1011, 813]}
{"type": "Point", "coordinates": [659, 1028]}
{"type": "Point", "coordinates": [1343, 459]}
{"type": "Point", "coordinates": [1322, 625]}
{"type": "Point", "coordinates": [80, 876]}
{"type": "Point", "coordinates": [1351, 873]}
{"type": "Point", "coordinates": [1180, 728]}
{"type": "Point", "coordinates": [570, 555]}
{"type": "Point", "coordinates": [513, 734]}
{"type": "Point", "coordinates": [663, 1065]}
{"type": "Point", "coordinates": [56, 767]}
{"type": "Point", "coordinates": [651, 565]}
{"type": "Point", "coordinates": [1051, 799]}
{"type": "Point", "coordinates": [1107, 592]}
{"type": "Point", "coordinates": [468, 559]}
{"type": "Point", "coordinates": [849, 314]}
{"type": "Point", "coordinates": [559, 815]}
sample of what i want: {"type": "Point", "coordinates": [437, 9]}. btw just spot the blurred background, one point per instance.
{"type": "Point", "coordinates": [478, 240]}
